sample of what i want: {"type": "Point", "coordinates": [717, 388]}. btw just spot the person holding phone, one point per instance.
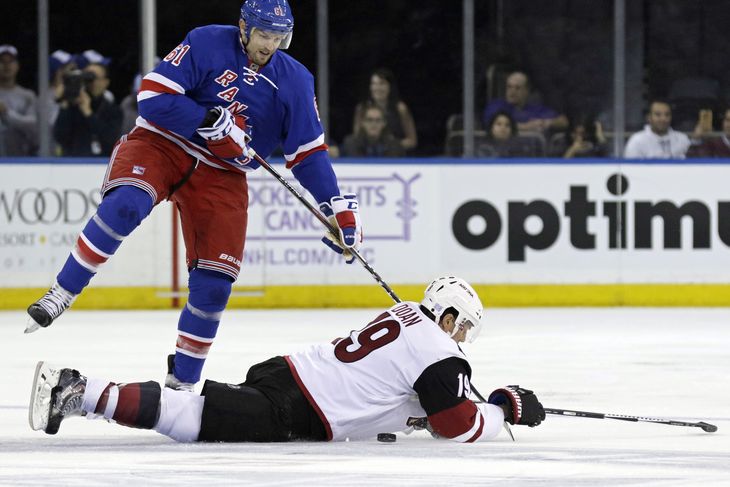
{"type": "Point", "coordinates": [707, 144]}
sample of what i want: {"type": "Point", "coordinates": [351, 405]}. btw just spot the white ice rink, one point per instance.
{"type": "Point", "coordinates": [671, 363]}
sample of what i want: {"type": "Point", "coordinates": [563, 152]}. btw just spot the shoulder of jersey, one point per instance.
{"type": "Point", "coordinates": [287, 66]}
{"type": "Point", "coordinates": [214, 37]}
{"type": "Point", "coordinates": [215, 31]}
{"type": "Point", "coordinates": [438, 334]}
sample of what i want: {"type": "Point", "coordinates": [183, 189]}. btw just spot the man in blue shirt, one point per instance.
{"type": "Point", "coordinates": [530, 117]}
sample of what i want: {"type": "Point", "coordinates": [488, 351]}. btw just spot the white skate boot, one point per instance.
{"type": "Point", "coordinates": [57, 394]}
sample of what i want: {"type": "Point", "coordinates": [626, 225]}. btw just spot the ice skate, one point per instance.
{"type": "Point", "coordinates": [173, 382]}
{"type": "Point", "coordinates": [48, 308]}
{"type": "Point", "coordinates": [57, 394]}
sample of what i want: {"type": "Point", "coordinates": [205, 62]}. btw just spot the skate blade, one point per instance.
{"type": "Point", "coordinates": [31, 326]}
{"type": "Point", "coordinates": [45, 379]}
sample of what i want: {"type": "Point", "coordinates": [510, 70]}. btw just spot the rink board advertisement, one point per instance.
{"type": "Point", "coordinates": [43, 207]}
{"type": "Point", "coordinates": [493, 224]}
{"type": "Point", "coordinates": [503, 223]}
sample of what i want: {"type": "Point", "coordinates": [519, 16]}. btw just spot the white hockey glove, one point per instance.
{"type": "Point", "coordinates": [225, 135]}
{"type": "Point", "coordinates": [342, 213]}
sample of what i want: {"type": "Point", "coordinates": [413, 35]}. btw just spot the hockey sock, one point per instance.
{"type": "Point", "coordinates": [136, 405]}
{"type": "Point", "coordinates": [209, 292]}
{"type": "Point", "coordinates": [120, 212]}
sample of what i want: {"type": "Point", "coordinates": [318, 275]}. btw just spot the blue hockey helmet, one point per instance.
{"type": "Point", "coordinates": [269, 15]}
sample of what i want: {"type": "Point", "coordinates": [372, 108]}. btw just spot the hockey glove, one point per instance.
{"type": "Point", "coordinates": [422, 423]}
{"type": "Point", "coordinates": [521, 405]}
{"type": "Point", "coordinates": [342, 213]}
{"type": "Point", "coordinates": [225, 135]}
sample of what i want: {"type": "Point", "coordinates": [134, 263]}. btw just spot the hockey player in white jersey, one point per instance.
{"type": "Point", "coordinates": [404, 368]}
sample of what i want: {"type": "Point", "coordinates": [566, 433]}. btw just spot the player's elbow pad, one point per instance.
{"type": "Point", "coordinates": [483, 423]}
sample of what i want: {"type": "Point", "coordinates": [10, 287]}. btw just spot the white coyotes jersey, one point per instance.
{"type": "Point", "coordinates": [363, 384]}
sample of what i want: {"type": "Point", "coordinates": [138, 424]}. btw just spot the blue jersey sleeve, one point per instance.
{"type": "Point", "coordinates": [303, 133]}
{"type": "Point", "coordinates": [315, 173]}
{"type": "Point", "coordinates": [166, 96]}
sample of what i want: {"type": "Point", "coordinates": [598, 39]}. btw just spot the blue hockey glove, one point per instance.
{"type": "Point", "coordinates": [342, 213]}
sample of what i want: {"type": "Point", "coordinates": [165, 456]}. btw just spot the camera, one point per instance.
{"type": "Point", "coordinates": [74, 81]}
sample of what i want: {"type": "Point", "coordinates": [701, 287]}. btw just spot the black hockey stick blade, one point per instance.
{"type": "Point", "coordinates": [265, 164]}
{"type": "Point", "coordinates": [710, 428]}
{"type": "Point", "coordinates": [707, 427]}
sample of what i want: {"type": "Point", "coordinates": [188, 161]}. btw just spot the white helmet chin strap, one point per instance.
{"type": "Point", "coordinates": [460, 324]}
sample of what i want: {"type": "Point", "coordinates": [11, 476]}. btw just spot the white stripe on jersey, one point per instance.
{"type": "Point", "coordinates": [146, 95]}
{"type": "Point", "coordinates": [373, 393]}
{"type": "Point", "coordinates": [163, 80]}
{"type": "Point", "coordinates": [304, 148]}
{"type": "Point", "coordinates": [479, 420]}
{"type": "Point", "coordinates": [198, 152]}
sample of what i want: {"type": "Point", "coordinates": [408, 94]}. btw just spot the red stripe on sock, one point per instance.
{"type": "Point", "coordinates": [191, 345]}
{"type": "Point", "coordinates": [127, 405]}
{"type": "Point", "coordinates": [88, 254]}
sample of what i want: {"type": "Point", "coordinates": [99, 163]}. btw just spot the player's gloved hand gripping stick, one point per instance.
{"type": "Point", "coordinates": [342, 213]}
{"type": "Point", "coordinates": [225, 134]}
{"type": "Point", "coordinates": [339, 209]}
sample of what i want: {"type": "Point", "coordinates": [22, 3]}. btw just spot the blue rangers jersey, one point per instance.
{"type": "Point", "coordinates": [211, 68]}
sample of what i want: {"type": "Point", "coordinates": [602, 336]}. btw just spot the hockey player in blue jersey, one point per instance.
{"type": "Point", "coordinates": [223, 92]}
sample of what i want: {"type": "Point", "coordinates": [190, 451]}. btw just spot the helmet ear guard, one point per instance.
{"type": "Point", "coordinates": [452, 292]}
{"type": "Point", "coordinates": [268, 15]}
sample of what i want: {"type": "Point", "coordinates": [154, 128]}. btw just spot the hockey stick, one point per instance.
{"type": "Point", "coordinates": [707, 427]}
{"type": "Point", "coordinates": [326, 224]}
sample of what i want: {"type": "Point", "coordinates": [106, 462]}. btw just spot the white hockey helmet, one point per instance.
{"type": "Point", "coordinates": [451, 292]}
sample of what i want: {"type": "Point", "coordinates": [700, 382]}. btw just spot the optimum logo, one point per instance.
{"type": "Point", "coordinates": [47, 205]}
{"type": "Point", "coordinates": [578, 209]}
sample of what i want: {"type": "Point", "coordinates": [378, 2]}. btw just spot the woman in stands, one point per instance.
{"type": "Point", "coordinates": [503, 140]}
{"type": "Point", "coordinates": [383, 92]}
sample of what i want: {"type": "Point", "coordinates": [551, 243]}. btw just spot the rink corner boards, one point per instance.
{"type": "Point", "coordinates": [366, 296]}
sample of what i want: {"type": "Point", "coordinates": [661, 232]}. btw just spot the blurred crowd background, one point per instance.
{"type": "Point", "coordinates": [543, 75]}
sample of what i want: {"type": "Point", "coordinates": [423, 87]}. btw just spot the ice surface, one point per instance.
{"type": "Point", "coordinates": [655, 362]}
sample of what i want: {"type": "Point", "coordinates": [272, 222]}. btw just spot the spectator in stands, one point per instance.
{"type": "Point", "coordinates": [18, 109]}
{"type": "Point", "coordinates": [59, 63]}
{"type": "Point", "coordinates": [384, 93]}
{"type": "Point", "coordinates": [89, 121]}
{"type": "Point", "coordinates": [658, 140]}
{"type": "Point", "coordinates": [711, 146]}
{"type": "Point", "coordinates": [530, 117]}
{"type": "Point", "coordinates": [584, 139]}
{"type": "Point", "coordinates": [374, 139]}
{"type": "Point", "coordinates": [503, 139]}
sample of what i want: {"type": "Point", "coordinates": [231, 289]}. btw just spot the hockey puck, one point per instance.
{"type": "Point", "coordinates": [386, 437]}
